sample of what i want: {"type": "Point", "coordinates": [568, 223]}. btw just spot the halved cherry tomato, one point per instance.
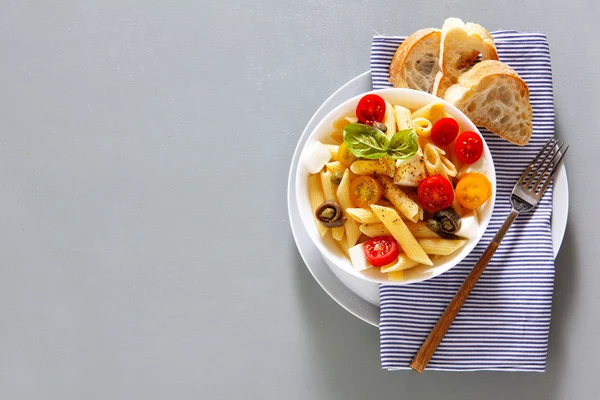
{"type": "Point", "coordinates": [381, 250]}
{"type": "Point", "coordinates": [473, 189]}
{"type": "Point", "coordinates": [371, 108]}
{"type": "Point", "coordinates": [468, 147]}
{"type": "Point", "coordinates": [435, 193]}
{"type": "Point", "coordinates": [444, 131]}
{"type": "Point", "coordinates": [345, 156]}
{"type": "Point", "coordinates": [365, 191]}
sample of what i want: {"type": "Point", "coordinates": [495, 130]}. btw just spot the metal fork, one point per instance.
{"type": "Point", "coordinates": [525, 196]}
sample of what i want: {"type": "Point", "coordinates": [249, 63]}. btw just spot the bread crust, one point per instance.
{"type": "Point", "coordinates": [487, 68]}
{"type": "Point", "coordinates": [481, 41]}
{"type": "Point", "coordinates": [469, 81]}
{"type": "Point", "coordinates": [488, 52]}
{"type": "Point", "coordinates": [397, 78]}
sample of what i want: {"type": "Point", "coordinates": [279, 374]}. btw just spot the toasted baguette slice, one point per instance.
{"type": "Point", "coordinates": [416, 61]}
{"type": "Point", "coordinates": [459, 47]}
{"type": "Point", "coordinates": [494, 96]}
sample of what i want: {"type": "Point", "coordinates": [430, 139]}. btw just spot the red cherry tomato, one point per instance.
{"type": "Point", "coordinates": [371, 108]}
{"type": "Point", "coordinates": [444, 131]}
{"type": "Point", "coordinates": [435, 193]}
{"type": "Point", "coordinates": [468, 147]}
{"type": "Point", "coordinates": [381, 250]}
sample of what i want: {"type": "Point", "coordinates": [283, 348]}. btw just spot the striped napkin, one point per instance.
{"type": "Point", "coordinates": [505, 322]}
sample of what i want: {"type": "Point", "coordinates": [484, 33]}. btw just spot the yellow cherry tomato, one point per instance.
{"type": "Point", "coordinates": [365, 191]}
{"type": "Point", "coordinates": [473, 190]}
{"type": "Point", "coordinates": [345, 156]}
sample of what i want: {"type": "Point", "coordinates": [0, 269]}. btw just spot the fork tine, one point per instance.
{"type": "Point", "coordinates": [532, 163]}
{"type": "Point", "coordinates": [549, 179]}
{"type": "Point", "coordinates": [550, 163]}
{"type": "Point", "coordinates": [541, 164]}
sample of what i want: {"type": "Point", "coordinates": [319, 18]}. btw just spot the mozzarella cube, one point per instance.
{"type": "Point", "coordinates": [316, 158]}
{"type": "Point", "coordinates": [358, 258]}
{"type": "Point", "coordinates": [468, 226]}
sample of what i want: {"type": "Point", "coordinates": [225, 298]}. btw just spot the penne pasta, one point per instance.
{"type": "Point", "coordinates": [457, 207]}
{"type": "Point", "coordinates": [403, 262]}
{"type": "Point", "coordinates": [477, 213]}
{"type": "Point", "coordinates": [433, 111]}
{"type": "Point", "coordinates": [335, 166]}
{"type": "Point", "coordinates": [403, 118]}
{"type": "Point", "coordinates": [440, 151]}
{"type": "Point", "coordinates": [396, 276]}
{"type": "Point", "coordinates": [421, 231]}
{"type": "Point", "coordinates": [443, 247]}
{"type": "Point", "coordinates": [389, 120]}
{"type": "Point", "coordinates": [422, 142]}
{"type": "Point", "coordinates": [399, 199]}
{"type": "Point", "coordinates": [337, 136]}
{"type": "Point", "coordinates": [341, 123]}
{"type": "Point", "coordinates": [362, 216]}
{"type": "Point", "coordinates": [343, 191]}
{"type": "Point", "coordinates": [328, 190]}
{"type": "Point", "coordinates": [333, 150]}
{"type": "Point", "coordinates": [344, 248]}
{"type": "Point", "coordinates": [448, 166]}
{"type": "Point", "coordinates": [453, 158]}
{"type": "Point", "coordinates": [422, 126]}
{"type": "Point", "coordinates": [338, 233]}
{"type": "Point", "coordinates": [316, 197]}
{"type": "Point", "coordinates": [385, 203]}
{"type": "Point", "coordinates": [372, 167]}
{"type": "Point", "coordinates": [343, 196]}
{"type": "Point", "coordinates": [412, 194]}
{"type": "Point", "coordinates": [401, 233]}
{"type": "Point", "coordinates": [374, 230]}
{"type": "Point", "coordinates": [363, 238]}
{"type": "Point", "coordinates": [433, 162]}
{"type": "Point", "coordinates": [389, 165]}
{"type": "Point", "coordinates": [418, 229]}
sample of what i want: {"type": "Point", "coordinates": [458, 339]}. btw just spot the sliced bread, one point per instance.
{"type": "Point", "coordinates": [494, 96]}
{"type": "Point", "coordinates": [416, 61]}
{"type": "Point", "coordinates": [459, 47]}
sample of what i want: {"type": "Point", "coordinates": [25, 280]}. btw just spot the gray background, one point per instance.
{"type": "Point", "coordinates": [146, 252]}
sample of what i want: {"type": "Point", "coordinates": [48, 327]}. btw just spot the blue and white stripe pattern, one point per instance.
{"type": "Point", "coordinates": [505, 322]}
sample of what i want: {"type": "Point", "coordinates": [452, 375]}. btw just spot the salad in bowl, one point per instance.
{"type": "Point", "coordinates": [395, 186]}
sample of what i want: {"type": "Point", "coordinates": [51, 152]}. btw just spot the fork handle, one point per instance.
{"type": "Point", "coordinates": [437, 334]}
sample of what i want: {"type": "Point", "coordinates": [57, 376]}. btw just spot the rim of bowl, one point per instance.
{"type": "Point", "coordinates": [323, 248]}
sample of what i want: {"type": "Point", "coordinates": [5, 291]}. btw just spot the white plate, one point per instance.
{"type": "Point", "coordinates": [360, 297]}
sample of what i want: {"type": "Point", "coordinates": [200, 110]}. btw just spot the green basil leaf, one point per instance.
{"type": "Point", "coordinates": [365, 141]}
{"type": "Point", "coordinates": [403, 144]}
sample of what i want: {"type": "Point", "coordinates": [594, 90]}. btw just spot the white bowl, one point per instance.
{"type": "Point", "coordinates": [329, 249]}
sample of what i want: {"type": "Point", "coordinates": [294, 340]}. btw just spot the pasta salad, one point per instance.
{"type": "Point", "coordinates": [397, 188]}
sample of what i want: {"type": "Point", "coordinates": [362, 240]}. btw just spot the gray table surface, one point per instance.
{"type": "Point", "coordinates": [146, 250]}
